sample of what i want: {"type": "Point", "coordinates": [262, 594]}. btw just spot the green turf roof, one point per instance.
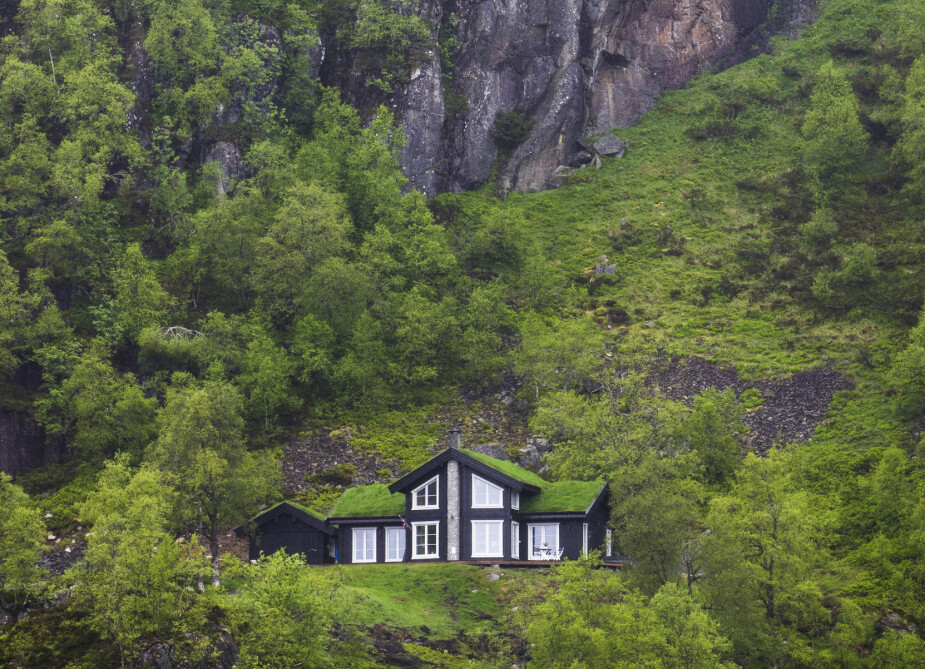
{"type": "Point", "coordinates": [310, 511]}
{"type": "Point", "coordinates": [559, 497]}
{"type": "Point", "coordinates": [368, 501]}
{"type": "Point", "coordinates": [563, 496]}
{"type": "Point", "coordinates": [509, 468]}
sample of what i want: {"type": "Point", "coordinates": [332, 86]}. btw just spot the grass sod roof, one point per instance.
{"type": "Point", "coordinates": [563, 496]}
{"type": "Point", "coordinates": [368, 501]}
{"type": "Point", "coordinates": [301, 507]}
{"type": "Point", "coordinates": [554, 497]}
{"type": "Point", "coordinates": [508, 468]}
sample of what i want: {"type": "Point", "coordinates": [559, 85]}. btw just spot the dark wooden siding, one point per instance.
{"type": "Point", "coordinates": [293, 535]}
{"type": "Point", "coordinates": [467, 514]}
{"type": "Point", "coordinates": [428, 515]}
{"type": "Point", "coordinates": [345, 541]}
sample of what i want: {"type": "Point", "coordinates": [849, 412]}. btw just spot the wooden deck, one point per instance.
{"type": "Point", "coordinates": [610, 564]}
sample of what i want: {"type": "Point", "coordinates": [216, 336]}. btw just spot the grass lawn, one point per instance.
{"type": "Point", "coordinates": [444, 598]}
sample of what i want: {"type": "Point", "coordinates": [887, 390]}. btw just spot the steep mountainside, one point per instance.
{"type": "Point", "coordinates": [573, 68]}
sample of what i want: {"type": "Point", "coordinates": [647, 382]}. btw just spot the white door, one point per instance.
{"type": "Point", "coordinates": [544, 541]}
{"type": "Point", "coordinates": [515, 540]}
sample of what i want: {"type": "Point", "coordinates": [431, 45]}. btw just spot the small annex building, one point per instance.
{"type": "Point", "coordinates": [295, 528]}
{"type": "Point", "coordinates": [459, 505]}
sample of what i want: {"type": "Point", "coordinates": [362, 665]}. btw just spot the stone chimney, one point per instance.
{"type": "Point", "coordinates": [452, 498]}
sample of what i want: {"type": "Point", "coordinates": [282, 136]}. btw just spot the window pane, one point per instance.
{"type": "Point", "coordinates": [485, 494]}
{"type": "Point", "coordinates": [426, 495]}
{"type": "Point", "coordinates": [396, 544]}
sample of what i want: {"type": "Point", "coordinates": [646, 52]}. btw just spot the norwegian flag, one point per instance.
{"type": "Point", "coordinates": [404, 523]}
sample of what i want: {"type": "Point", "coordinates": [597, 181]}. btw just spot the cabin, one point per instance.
{"type": "Point", "coordinates": [466, 506]}
{"type": "Point", "coordinates": [458, 506]}
{"type": "Point", "coordinates": [295, 528]}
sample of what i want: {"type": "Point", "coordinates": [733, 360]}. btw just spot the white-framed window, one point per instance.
{"type": "Point", "coordinates": [609, 542]}
{"type": "Point", "coordinates": [426, 540]}
{"type": "Point", "coordinates": [584, 538]}
{"type": "Point", "coordinates": [395, 544]}
{"type": "Point", "coordinates": [515, 540]}
{"type": "Point", "coordinates": [364, 544]}
{"type": "Point", "coordinates": [486, 495]}
{"type": "Point", "coordinates": [426, 495]}
{"type": "Point", "coordinates": [487, 538]}
{"type": "Point", "coordinates": [544, 541]}
{"type": "Point", "coordinates": [515, 499]}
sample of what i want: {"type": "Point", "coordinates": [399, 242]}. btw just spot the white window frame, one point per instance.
{"type": "Point", "coordinates": [354, 546]}
{"type": "Point", "coordinates": [414, 495]}
{"type": "Point", "coordinates": [515, 500]}
{"type": "Point", "coordinates": [499, 505]}
{"type": "Point", "coordinates": [515, 540]}
{"type": "Point", "coordinates": [497, 523]}
{"type": "Point", "coordinates": [584, 538]}
{"type": "Point", "coordinates": [609, 542]}
{"type": "Point", "coordinates": [388, 544]}
{"type": "Point", "coordinates": [554, 549]}
{"type": "Point", "coordinates": [414, 540]}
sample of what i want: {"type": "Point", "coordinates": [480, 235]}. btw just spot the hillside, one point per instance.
{"type": "Point", "coordinates": [219, 288]}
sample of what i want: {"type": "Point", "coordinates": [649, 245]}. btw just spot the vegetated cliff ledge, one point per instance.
{"type": "Point", "coordinates": [575, 68]}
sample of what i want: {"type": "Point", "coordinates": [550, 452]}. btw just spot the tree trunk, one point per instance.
{"type": "Point", "coordinates": [213, 546]}
{"type": "Point", "coordinates": [200, 582]}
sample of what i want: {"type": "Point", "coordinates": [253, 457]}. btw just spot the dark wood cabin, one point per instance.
{"type": "Point", "coordinates": [294, 528]}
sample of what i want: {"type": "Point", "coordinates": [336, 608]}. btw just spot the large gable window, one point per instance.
{"type": "Point", "coordinates": [486, 495]}
{"type": "Point", "coordinates": [425, 495]}
{"type": "Point", "coordinates": [426, 540]}
{"type": "Point", "coordinates": [487, 538]}
{"type": "Point", "coordinates": [364, 544]}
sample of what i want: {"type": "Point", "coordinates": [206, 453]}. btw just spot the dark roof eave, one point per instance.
{"type": "Point", "coordinates": [285, 506]}
{"type": "Point", "coordinates": [597, 499]}
{"type": "Point", "coordinates": [551, 515]}
{"type": "Point", "coordinates": [357, 520]}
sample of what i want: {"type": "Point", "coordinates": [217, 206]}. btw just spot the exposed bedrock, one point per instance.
{"type": "Point", "coordinates": [575, 68]}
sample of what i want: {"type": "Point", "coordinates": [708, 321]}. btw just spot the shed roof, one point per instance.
{"type": "Point", "coordinates": [305, 513]}
{"type": "Point", "coordinates": [564, 497]}
{"type": "Point", "coordinates": [368, 501]}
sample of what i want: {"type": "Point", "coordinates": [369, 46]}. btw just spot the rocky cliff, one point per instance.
{"type": "Point", "coordinates": [574, 67]}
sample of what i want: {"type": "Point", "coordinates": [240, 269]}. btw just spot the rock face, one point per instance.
{"type": "Point", "coordinates": [575, 68]}
{"type": "Point", "coordinates": [22, 443]}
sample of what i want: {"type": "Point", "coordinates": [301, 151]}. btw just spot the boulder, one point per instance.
{"type": "Point", "coordinates": [560, 174]}
{"type": "Point", "coordinates": [231, 163]}
{"type": "Point", "coordinates": [610, 145]}
{"type": "Point", "coordinates": [583, 158]}
{"type": "Point", "coordinates": [893, 622]}
{"type": "Point", "coordinates": [491, 450]}
{"type": "Point", "coordinates": [531, 455]}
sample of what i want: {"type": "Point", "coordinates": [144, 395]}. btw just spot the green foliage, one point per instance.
{"type": "Point", "coordinates": [389, 38]}
{"type": "Point", "coordinates": [714, 430]}
{"type": "Point", "coordinates": [100, 411]}
{"type": "Point", "coordinates": [135, 575]}
{"type": "Point", "coordinates": [510, 129]}
{"type": "Point", "coordinates": [835, 139]}
{"type": "Point", "coordinates": [182, 40]}
{"type": "Point", "coordinates": [21, 535]}
{"type": "Point", "coordinates": [764, 543]}
{"type": "Point", "coordinates": [592, 620]}
{"type": "Point", "coordinates": [200, 447]}
{"type": "Point", "coordinates": [285, 614]}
